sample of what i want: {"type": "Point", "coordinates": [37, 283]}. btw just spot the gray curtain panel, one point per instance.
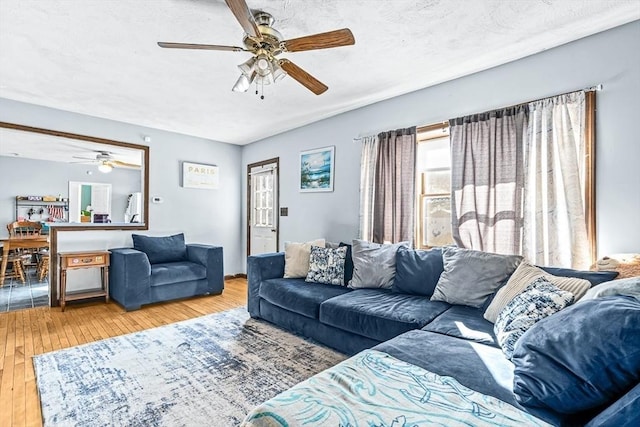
{"type": "Point", "coordinates": [394, 193]}
{"type": "Point", "coordinates": [487, 179]}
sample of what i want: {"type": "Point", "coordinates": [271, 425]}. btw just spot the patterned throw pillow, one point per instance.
{"type": "Point", "coordinates": [524, 275]}
{"type": "Point", "coordinates": [326, 265]}
{"type": "Point", "coordinates": [539, 300]}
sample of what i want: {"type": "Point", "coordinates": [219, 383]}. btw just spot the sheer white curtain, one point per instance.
{"type": "Point", "coordinates": [368, 162]}
{"type": "Point", "coordinates": [555, 231]}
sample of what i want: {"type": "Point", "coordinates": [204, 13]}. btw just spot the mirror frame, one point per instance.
{"type": "Point", "coordinates": [144, 148]}
{"type": "Point", "coordinates": [54, 299]}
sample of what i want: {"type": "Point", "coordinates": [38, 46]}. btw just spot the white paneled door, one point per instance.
{"type": "Point", "coordinates": [263, 208]}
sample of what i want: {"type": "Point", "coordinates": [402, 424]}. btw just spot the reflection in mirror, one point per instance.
{"type": "Point", "coordinates": [45, 163]}
{"type": "Point", "coordinates": [90, 202]}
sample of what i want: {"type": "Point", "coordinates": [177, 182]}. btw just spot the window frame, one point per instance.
{"type": "Point", "coordinates": [424, 135]}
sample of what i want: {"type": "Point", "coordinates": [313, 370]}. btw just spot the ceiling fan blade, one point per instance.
{"type": "Point", "coordinates": [304, 78]}
{"type": "Point", "coordinates": [200, 46]}
{"type": "Point", "coordinates": [121, 163]}
{"type": "Point", "coordinates": [336, 38]}
{"type": "Point", "coordinates": [245, 17]}
{"type": "Point", "coordinates": [83, 158]}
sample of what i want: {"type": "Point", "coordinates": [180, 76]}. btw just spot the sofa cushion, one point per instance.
{"type": "Point", "coordinates": [581, 358]}
{"type": "Point", "coordinates": [161, 249]}
{"type": "Point", "coordinates": [417, 271]}
{"type": "Point", "coordinates": [625, 412]}
{"type": "Point", "coordinates": [539, 300]}
{"type": "Point", "coordinates": [477, 366]}
{"type": "Point", "coordinates": [470, 276]}
{"type": "Point", "coordinates": [379, 314]}
{"type": "Point", "coordinates": [629, 287]}
{"type": "Point", "coordinates": [299, 296]}
{"type": "Point", "coordinates": [464, 322]}
{"type": "Point", "coordinates": [595, 277]}
{"type": "Point", "coordinates": [326, 265]}
{"type": "Point", "coordinates": [524, 275]}
{"type": "Point", "coordinates": [174, 272]}
{"type": "Point", "coordinates": [296, 258]}
{"type": "Point", "coordinates": [374, 264]}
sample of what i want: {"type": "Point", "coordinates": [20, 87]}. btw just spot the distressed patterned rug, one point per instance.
{"type": "Point", "coordinates": [210, 370]}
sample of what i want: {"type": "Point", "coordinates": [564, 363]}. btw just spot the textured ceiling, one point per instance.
{"type": "Point", "coordinates": [100, 58]}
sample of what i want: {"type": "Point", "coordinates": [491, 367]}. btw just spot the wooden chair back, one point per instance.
{"type": "Point", "coordinates": [24, 228]}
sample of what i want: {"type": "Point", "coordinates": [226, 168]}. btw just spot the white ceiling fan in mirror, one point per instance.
{"type": "Point", "coordinates": [107, 160]}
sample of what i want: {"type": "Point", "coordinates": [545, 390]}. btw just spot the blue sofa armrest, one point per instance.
{"type": "Point", "coordinates": [211, 258]}
{"type": "Point", "coordinates": [129, 277]}
{"type": "Point", "coordinates": [259, 268]}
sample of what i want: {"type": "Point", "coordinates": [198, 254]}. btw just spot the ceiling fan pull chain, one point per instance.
{"type": "Point", "coordinates": [262, 88]}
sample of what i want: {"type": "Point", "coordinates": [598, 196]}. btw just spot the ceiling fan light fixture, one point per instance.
{"type": "Point", "coordinates": [105, 167]}
{"type": "Point", "coordinates": [247, 67]}
{"type": "Point", "coordinates": [242, 84]}
{"type": "Point", "coordinates": [263, 65]}
{"type": "Point", "coordinates": [278, 73]}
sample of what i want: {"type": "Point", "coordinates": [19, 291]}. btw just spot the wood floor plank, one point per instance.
{"type": "Point", "coordinates": [26, 333]}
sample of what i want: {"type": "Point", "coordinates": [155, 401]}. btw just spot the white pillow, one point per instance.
{"type": "Point", "coordinates": [296, 258]}
{"type": "Point", "coordinates": [522, 277]}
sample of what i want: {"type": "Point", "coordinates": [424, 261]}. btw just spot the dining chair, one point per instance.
{"type": "Point", "coordinates": [30, 257]}
{"type": "Point", "coordinates": [17, 270]}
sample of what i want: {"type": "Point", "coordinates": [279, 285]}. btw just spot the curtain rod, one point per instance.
{"type": "Point", "coordinates": [596, 88]}
{"type": "Point", "coordinates": [445, 124]}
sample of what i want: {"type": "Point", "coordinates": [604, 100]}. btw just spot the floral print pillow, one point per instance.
{"type": "Point", "coordinates": [539, 300]}
{"type": "Point", "coordinates": [326, 265]}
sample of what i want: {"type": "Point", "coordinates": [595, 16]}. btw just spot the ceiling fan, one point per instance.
{"type": "Point", "coordinates": [265, 43]}
{"type": "Point", "coordinates": [105, 160]}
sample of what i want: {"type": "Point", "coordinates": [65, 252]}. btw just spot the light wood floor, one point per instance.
{"type": "Point", "coordinates": [39, 330]}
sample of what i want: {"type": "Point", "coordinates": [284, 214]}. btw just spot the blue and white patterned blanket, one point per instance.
{"type": "Point", "coordinates": [375, 389]}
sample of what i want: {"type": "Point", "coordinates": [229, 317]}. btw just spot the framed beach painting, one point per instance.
{"type": "Point", "coordinates": [316, 169]}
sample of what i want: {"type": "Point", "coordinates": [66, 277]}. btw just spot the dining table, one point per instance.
{"type": "Point", "coordinates": [20, 242]}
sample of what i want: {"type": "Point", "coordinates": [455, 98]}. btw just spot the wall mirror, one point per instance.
{"type": "Point", "coordinates": [63, 173]}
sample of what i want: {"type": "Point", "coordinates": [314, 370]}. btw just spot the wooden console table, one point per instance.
{"type": "Point", "coordinates": [83, 259]}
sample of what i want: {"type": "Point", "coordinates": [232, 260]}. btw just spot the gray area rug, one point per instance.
{"type": "Point", "coordinates": [206, 371]}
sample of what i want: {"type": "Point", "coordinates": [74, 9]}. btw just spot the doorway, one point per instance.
{"type": "Point", "coordinates": [263, 207]}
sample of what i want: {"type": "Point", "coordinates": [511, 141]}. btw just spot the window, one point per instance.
{"type": "Point", "coordinates": [263, 199]}
{"type": "Point", "coordinates": [433, 174]}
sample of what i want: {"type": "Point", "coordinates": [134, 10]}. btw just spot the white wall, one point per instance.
{"type": "Point", "coordinates": [611, 58]}
{"type": "Point", "coordinates": [205, 216]}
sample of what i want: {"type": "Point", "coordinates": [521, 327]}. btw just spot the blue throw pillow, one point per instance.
{"type": "Point", "coordinates": [417, 271]}
{"type": "Point", "coordinates": [348, 264]}
{"type": "Point", "coordinates": [583, 357]}
{"type": "Point", "coordinates": [595, 277]}
{"type": "Point", "coordinates": [161, 249]}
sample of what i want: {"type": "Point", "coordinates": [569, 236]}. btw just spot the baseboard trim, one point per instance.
{"type": "Point", "coordinates": [235, 276]}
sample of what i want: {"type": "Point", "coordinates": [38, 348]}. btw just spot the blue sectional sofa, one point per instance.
{"type": "Point", "coordinates": [164, 268]}
{"type": "Point", "coordinates": [448, 340]}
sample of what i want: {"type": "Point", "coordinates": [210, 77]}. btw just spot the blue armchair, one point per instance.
{"type": "Point", "coordinates": [164, 268]}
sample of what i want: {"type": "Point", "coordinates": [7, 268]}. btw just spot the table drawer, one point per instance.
{"type": "Point", "coordinates": [85, 261]}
